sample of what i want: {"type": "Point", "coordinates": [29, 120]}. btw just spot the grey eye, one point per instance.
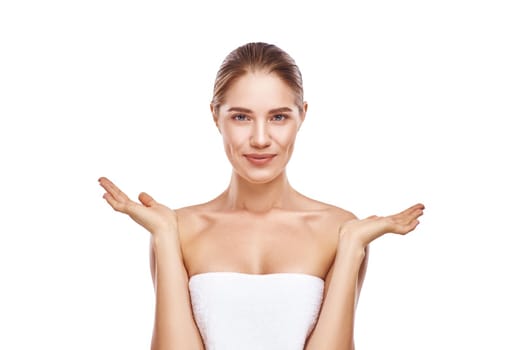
{"type": "Point", "coordinates": [280, 117]}
{"type": "Point", "coordinates": [239, 117]}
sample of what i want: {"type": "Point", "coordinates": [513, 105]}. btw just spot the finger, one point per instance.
{"type": "Point", "coordinates": [413, 208]}
{"type": "Point", "coordinates": [116, 192]}
{"type": "Point", "coordinates": [146, 199]}
{"type": "Point", "coordinates": [414, 213]}
{"type": "Point", "coordinates": [127, 207]}
{"type": "Point", "coordinates": [113, 189]}
{"type": "Point", "coordinates": [407, 217]}
{"type": "Point", "coordinates": [408, 227]}
{"type": "Point", "coordinates": [413, 225]}
{"type": "Point", "coordinates": [404, 212]}
{"type": "Point", "coordinates": [411, 213]}
{"type": "Point", "coordinates": [417, 212]}
{"type": "Point", "coordinates": [417, 206]}
{"type": "Point", "coordinates": [116, 205]}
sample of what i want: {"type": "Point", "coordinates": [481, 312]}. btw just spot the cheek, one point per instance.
{"type": "Point", "coordinates": [234, 138]}
{"type": "Point", "coordinates": [285, 137]}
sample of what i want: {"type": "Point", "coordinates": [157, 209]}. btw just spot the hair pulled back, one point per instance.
{"type": "Point", "coordinates": [257, 56]}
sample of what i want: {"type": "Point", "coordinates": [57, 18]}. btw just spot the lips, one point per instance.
{"type": "Point", "coordinates": [259, 155]}
{"type": "Point", "coordinates": [259, 159]}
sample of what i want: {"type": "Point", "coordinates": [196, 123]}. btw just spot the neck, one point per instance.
{"type": "Point", "coordinates": [243, 195]}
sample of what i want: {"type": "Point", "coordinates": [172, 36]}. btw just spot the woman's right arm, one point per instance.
{"type": "Point", "coordinates": [174, 328]}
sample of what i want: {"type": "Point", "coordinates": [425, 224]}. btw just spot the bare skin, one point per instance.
{"type": "Point", "coordinates": [174, 326]}
{"type": "Point", "coordinates": [260, 224]}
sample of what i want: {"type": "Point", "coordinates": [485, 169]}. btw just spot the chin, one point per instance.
{"type": "Point", "coordinates": [258, 176]}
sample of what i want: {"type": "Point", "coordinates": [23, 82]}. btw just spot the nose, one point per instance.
{"type": "Point", "coordinates": [260, 137]}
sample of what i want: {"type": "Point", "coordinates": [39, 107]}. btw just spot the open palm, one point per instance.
{"type": "Point", "coordinates": [153, 216]}
{"type": "Point", "coordinates": [366, 230]}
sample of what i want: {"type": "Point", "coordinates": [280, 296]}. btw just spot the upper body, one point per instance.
{"type": "Point", "coordinates": [301, 240]}
{"type": "Point", "coordinates": [259, 226]}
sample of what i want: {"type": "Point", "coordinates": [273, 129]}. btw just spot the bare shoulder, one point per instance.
{"type": "Point", "coordinates": [342, 214]}
{"type": "Point", "coordinates": [329, 212]}
{"type": "Point", "coordinates": [192, 218]}
{"type": "Point", "coordinates": [339, 216]}
{"type": "Point", "coordinates": [189, 219]}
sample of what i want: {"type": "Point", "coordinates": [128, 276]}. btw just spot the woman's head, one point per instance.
{"type": "Point", "coordinates": [257, 57]}
{"type": "Point", "coordinates": [258, 108]}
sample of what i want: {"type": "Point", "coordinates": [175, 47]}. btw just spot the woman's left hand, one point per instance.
{"type": "Point", "coordinates": [362, 232]}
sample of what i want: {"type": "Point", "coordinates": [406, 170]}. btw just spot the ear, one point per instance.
{"type": "Point", "coordinates": [304, 108]}
{"type": "Point", "coordinates": [214, 113]}
{"type": "Point", "coordinates": [303, 114]}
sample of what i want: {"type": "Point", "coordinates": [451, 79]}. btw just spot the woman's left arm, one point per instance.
{"type": "Point", "coordinates": [335, 324]}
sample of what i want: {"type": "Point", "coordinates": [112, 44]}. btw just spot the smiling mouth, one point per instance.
{"type": "Point", "coordinates": [259, 159]}
{"type": "Point", "coordinates": [259, 156]}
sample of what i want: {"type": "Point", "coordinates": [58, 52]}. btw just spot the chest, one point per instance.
{"type": "Point", "coordinates": [260, 245]}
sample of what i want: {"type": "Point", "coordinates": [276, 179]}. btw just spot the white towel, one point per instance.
{"type": "Point", "coordinates": [240, 311]}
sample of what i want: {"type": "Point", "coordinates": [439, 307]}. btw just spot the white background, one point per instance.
{"type": "Point", "coordinates": [410, 101]}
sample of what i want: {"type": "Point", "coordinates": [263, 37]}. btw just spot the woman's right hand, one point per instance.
{"type": "Point", "coordinates": [153, 216]}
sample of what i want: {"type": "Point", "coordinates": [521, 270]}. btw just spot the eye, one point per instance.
{"type": "Point", "coordinates": [240, 117]}
{"type": "Point", "coordinates": [280, 117]}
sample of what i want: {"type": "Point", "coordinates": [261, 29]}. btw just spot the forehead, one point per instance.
{"type": "Point", "coordinates": [259, 91]}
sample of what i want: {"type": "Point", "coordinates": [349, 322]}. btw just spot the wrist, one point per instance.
{"type": "Point", "coordinates": [166, 238]}
{"type": "Point", "coordinates": [350, 245]}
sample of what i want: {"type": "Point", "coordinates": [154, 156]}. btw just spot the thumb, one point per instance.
{"type": "Point", "coordinates": [146, 199]}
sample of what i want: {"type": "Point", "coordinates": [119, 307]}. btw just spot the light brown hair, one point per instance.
{"type": "Point", "coordinates": [257, 56]}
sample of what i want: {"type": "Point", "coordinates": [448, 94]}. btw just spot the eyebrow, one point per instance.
{"type": "Point", "coordinates": [246, 110]}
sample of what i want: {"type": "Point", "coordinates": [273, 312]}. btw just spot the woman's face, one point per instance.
{"type": "Point", "coordinates": [259, 121]}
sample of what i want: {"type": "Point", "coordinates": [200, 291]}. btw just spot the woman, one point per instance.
{"type": "Point", "coordinates": [261, 266]}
